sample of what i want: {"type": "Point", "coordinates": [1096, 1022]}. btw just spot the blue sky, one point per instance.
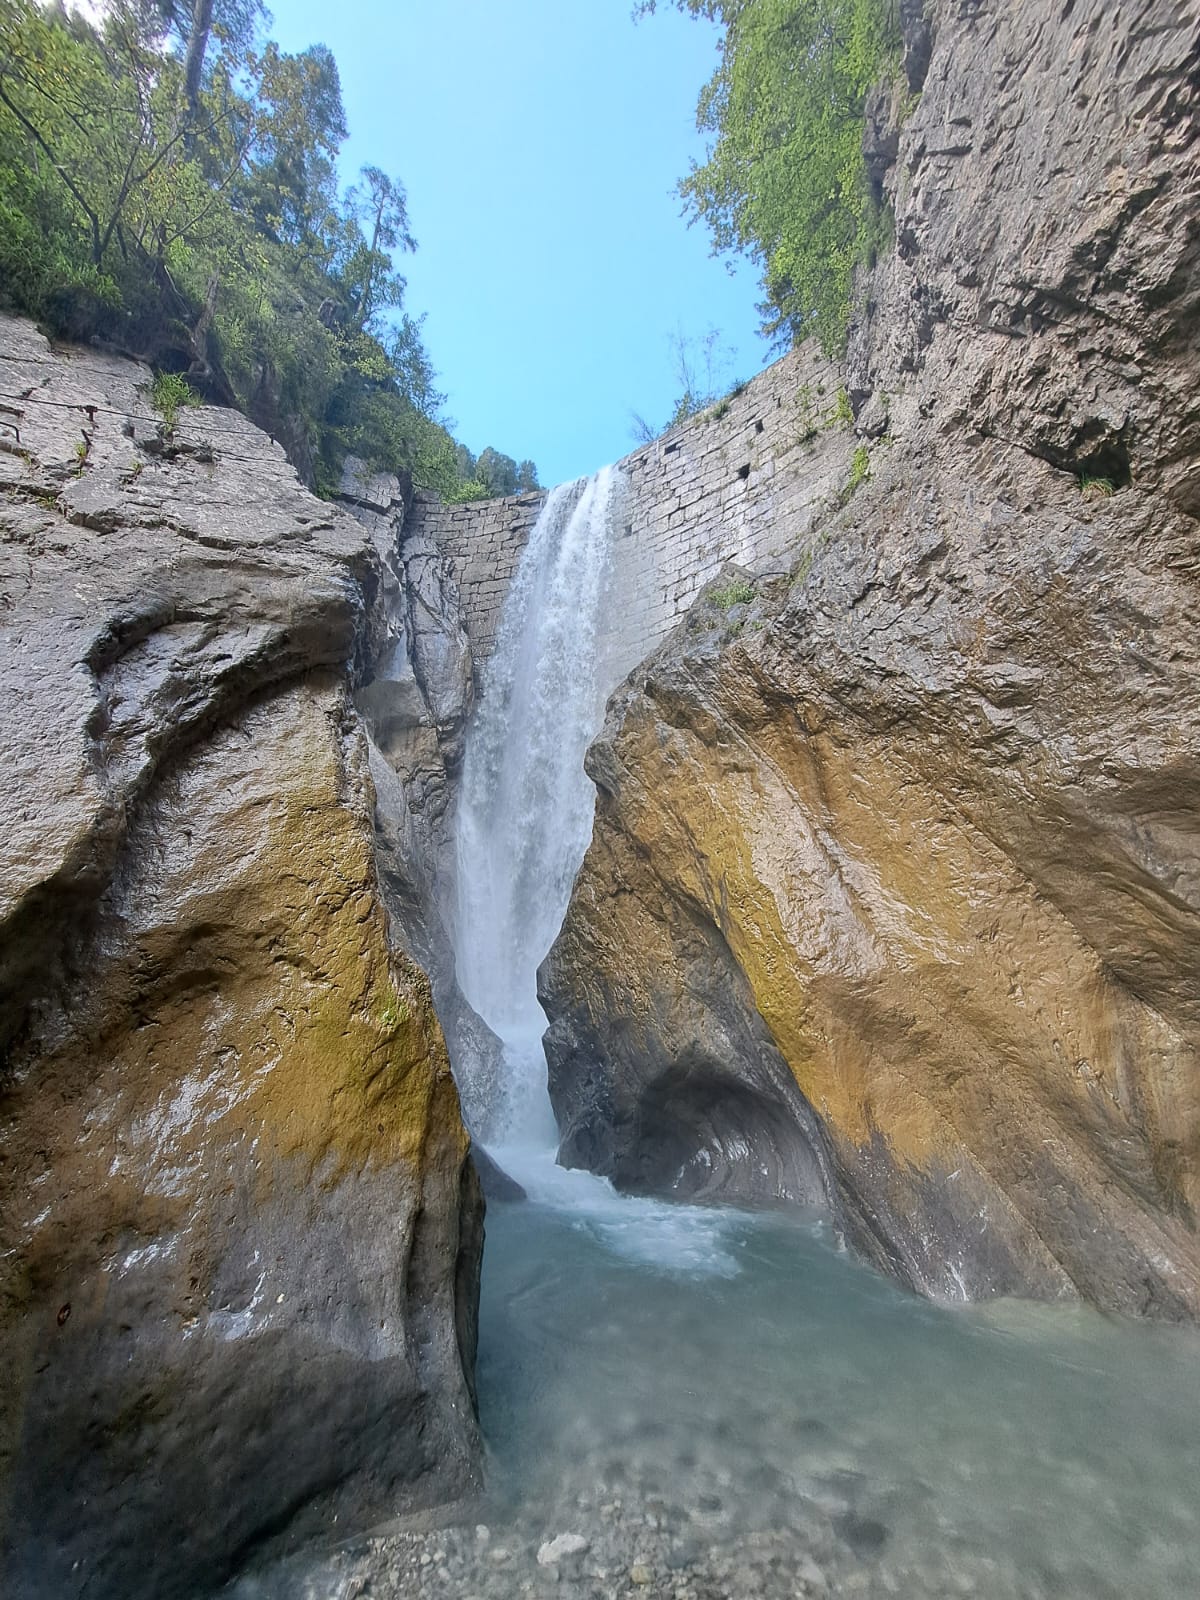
{"type": "Point", "coordinates": [540, 142]}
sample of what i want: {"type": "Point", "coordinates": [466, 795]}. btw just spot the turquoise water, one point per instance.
{"type": "Point", "coordinates": [1007, 1450]}
{"type": "Point", "coordinates": [715, 1406]}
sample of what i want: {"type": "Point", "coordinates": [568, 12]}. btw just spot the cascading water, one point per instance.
{"type": "Point", "coordinates": [526, 811]}
{"type": "Point", "coordinates": [524, 823]}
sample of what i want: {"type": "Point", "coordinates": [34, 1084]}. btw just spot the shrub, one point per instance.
{"type": "Point", "coordinates": [1099, 486]}
{"type": "Point", "coordinates": [169, 392]}
{"type": "Point", "coordinates": [735, 593]}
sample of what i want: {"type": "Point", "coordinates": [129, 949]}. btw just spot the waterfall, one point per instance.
{"type": "Point", "coordinates": [525, 815]}
{"type": "Point", "coordinates": [524, 823]}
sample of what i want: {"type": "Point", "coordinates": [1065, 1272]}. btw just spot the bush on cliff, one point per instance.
{"type": "Point", "coordinates": [785, 181]}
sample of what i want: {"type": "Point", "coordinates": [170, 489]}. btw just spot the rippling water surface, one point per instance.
{"type": "Point", "coordinates": [725, 1407]}
{"type": "Point", "coordinates": [756, 1378]}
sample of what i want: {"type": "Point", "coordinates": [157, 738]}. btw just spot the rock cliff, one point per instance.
{"type": "Point", "coordinates": [894, 890]}
{"type": "Point", "coordinates": [240, 1225]}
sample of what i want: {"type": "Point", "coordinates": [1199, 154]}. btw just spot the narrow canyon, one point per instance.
{"type": "Point", "coordinates": [769, 870]}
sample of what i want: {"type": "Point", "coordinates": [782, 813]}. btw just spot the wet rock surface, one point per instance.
{"type": "Point", "coordinates": [240, 1227]}
{"type": "Point", "coordinates": [416, 707]}
{"type": "Point", "coordinates": [927, 805]}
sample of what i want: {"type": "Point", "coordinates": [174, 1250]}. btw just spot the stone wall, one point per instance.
{"type": "Point", "coordinates": [746, 481]}
{"type": "Point", "coordinates": [483, 541]}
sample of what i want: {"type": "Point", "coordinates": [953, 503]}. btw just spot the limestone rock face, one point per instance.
{"type": "Point", "coordinates": [416, 708]}
{"type": "Point", "coordinates": [896, 870]}
{"type": "Point", "coordinates": [239, 1226]}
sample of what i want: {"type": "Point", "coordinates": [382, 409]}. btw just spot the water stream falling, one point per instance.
{"type": "Point", "coordinates": [526, 810]}
{"type": "Point", "coordinates": [524, 822]}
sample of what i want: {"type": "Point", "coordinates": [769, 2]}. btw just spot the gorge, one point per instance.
{"type": "Point", "coordinates": [791, 828]}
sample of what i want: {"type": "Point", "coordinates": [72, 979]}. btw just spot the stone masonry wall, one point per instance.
{"type": "Point", "coordinates": [483, 541]}
{"type": "Point", "coordinates": [746, 481]}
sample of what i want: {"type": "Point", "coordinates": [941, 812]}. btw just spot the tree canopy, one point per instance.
{"type": "Point", "coordinates": [168, 184]}
{"type": "Point", "coordinates": [785, 182]}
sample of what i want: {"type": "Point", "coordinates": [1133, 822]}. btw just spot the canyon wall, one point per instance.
{"type": "Point", "coordinates": [239, 1226]}
{"type": "Point", "coordinates": [895, 875]}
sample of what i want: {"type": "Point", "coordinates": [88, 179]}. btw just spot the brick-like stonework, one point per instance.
{"type": "Point", "coordinates": [483, 541]}
{"type": "Point", "coordinates": [747, 481]}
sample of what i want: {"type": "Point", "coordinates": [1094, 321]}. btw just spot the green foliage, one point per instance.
{"type": "Point", "coordinates": [1096, 486]}
{"type": "Point", "coordinates": [489, 477]}
{"type": "Point", "coordinates": [468, 489]}
{"type": "Point", "coordinates": [785, 181]}
{"type": "Point", "coordinates": [498, 472]}
{"type": "Point", "coordinates": [735, 593]}
{"type": "Point", "coordinates": [168, 183]}
{"type": "Point", "coordinates": [860, 472]}
{"type": "Point", "coordinates": [169, 392]}
{"type": "Point", "coordinates": [819, 415]}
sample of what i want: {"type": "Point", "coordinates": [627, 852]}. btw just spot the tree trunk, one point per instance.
{"type": "Point", "coordinates": [197, 45]}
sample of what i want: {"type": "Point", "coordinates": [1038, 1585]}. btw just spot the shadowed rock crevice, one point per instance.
{"type": "Point", "coordinates": [704, 1137]}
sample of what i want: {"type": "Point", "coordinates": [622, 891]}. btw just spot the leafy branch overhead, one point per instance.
{"type": "Point", "coordinates": [785, 181]}
{"type": "Point", "coordinates": [168, 183]}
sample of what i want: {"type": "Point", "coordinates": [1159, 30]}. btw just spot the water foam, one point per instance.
{"type": "Point", "coordinates": [525, 816]}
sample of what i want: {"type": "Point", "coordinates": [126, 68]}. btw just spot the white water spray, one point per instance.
{"type": "Point", "coordinates": [524, 824]}
{"type": "Point", "coordinates": [526, 812]}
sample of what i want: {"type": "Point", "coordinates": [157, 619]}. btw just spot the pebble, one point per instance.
{"type": "Point", "coordinates": [810, 1575]}
{"type": "Point", "coordinates": [565, 1544]}
{"type": "Point", "coordinates": [572, 1541]}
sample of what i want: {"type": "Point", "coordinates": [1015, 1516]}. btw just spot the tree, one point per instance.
{"type": "Point", "coordinates": [785, 181]}
{"type": "Point", "coordinates": [527, 477]}
{"type": "Point", "coordinates": [301, 126]}
{"type": "Point", "coordinates": [169, 185]}
{"type": "Point", "coordinates": [197, 47]}
{"type": "Point", "coordinates": [371, 283]}
{"type": "Point", "coordinates": [415, 376]}
{"type": "Point", "coordinates": [498, 472]}
{"type": "Point", "coordinates": [191, 24]}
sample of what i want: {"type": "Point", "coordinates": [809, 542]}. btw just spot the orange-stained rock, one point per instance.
{"type": "Point", "coordinates": [896, 870]}
{"type": "Point", "coordinates": [239, 1227]}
